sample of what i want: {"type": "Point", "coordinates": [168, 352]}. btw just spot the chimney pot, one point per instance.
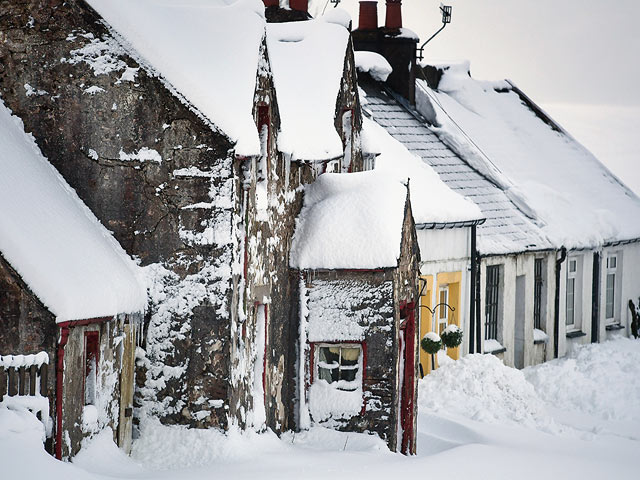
{"type": "Point", "coordinates": [271, 3]}
{"type": "Point", "coordinates": [368, 15]}
{"type": "Point", "coordinates": [302, 5]}
{"type": "Point", "coordinates": [393, 19]}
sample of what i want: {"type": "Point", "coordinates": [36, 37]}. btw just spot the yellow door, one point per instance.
{"type": "Point", "coordinates": [425, 322]}
{"type": "Point", "coordinates": [451, 282]}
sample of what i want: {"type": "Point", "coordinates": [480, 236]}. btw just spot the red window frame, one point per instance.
{"type": "Point", "coordinates": [312, 362]}
{"type": "Point", "coordinates": [91, 351]}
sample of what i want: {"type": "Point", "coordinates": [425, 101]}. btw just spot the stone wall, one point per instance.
{"type": "Point", "coordinates": [155, 173]}
{"type": "Point", "coordinates": [26, 326]}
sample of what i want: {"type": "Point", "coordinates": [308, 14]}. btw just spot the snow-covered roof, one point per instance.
{"type": "Point", "coordinates": [374, 64]}
{"type": "Point", "coordinates": [432, 201]}
{"type": "Point", "coordinates": [208, 50]}
{"type": "Point", "coordinates": [574, 198]}
{"type": "Point", "coordinates": [507, 229]}
{"type": "Point", "coordinates": [54, 242]}
{"type": "Point", "coordinates": [350, 221]}
{"type": "Point", "coordinates": [307, 60]}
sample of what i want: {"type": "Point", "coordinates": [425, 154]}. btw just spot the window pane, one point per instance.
{"type": "Point", "coordinates": [611, 283]}
{"type": "Point", "coordinates": [570, 300]}
{"type": "Point", "coordinates": [350, 355]}
{"type": "Point", "coordinates": [572, 266]}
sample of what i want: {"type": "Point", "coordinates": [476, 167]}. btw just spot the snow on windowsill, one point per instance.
{"type": "Point", "coordinates": [327, 402]}
{"type": "Point", "coordinates": [575, 333]}
{"type": "Point", "coordinates": [493, 346]}
{"type": "Point", "coordinates": [539, 336]}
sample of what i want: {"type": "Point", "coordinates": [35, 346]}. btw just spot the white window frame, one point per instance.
{"type": "Point", "coordinates": [340, 384]}
{"type": "Point", "coordinates": [612, 267]}
{"type": "Point", "coordinates": [443, 319]}
{"type": "Point", "coordinates": [571, 275]}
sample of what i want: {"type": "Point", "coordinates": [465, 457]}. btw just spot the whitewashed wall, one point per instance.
{"type": "Point", "coordinates": [514, 266]}
{"type": "Point", "coordinates": [627, 288]}
{"type": "Point", "coordinates": [584, 288]}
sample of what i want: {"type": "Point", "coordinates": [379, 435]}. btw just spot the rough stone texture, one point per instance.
{"type": "Point", "coordinates": [381, 331]}
{"type": "Point", "coordinates": [169, 186]}
{"type": "Point", "coordinates": [107, 402]}
{"type": "Point", "coordinates": [26, 326]}
{"type": "Point", "coordinates": [368, 292]}
{"type": "Point", "coordinates": [87, 137]}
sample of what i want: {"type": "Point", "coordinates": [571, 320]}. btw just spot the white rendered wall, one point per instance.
{"type": "Point", "coordinates": [627, 288]}
{"type": "Point", "coordinates": [583, 306]}
{"type": "Point", "coordinates": [512, 267]}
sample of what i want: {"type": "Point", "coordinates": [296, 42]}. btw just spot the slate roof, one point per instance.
{"type": "Point", "coordinates": [507, 229]}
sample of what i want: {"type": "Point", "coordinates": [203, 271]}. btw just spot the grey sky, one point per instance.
{"type": "Point", "coordinates": [570, 51]}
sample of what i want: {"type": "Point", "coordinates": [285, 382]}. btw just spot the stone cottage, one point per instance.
{"type": "Point", "coordinates": [356, 257]}
{"type": "Point", "coordinates": [71, 303]}
{"type": "Point", "coordinates": [199, 172]}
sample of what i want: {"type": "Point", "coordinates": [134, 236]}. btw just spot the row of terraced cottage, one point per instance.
{"type": "Point", "coordinates": [224, 214]}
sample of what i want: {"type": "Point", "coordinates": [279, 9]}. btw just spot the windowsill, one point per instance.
{"type": "Point", "coordinates": [575, 334]}
{"type": "Point", "coordinates": [614, 326]}
{"type": "Point", "coordinates": [496, 352]}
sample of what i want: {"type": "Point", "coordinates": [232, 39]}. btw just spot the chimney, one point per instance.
{"type": "Point", "coordinates": [368, 15]}
{"type": "Point", "coordinates": [393, 20]}
{"type": "Point", "coordinates": [399, 50]}
{"type": "Point", "coordinates": [271, 3]}
{"type": "Point", "coordinates": [302, 5]}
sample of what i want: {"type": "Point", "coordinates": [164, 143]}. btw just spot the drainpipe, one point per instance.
{"type": "Point", "coordinates": [472, 299]}
{"type": "Point", "coordinates": [64, 336]}
{"type": "Point", "coordinates": [556, 315]}
{"type": "Point", "coordinates": [478, 319]}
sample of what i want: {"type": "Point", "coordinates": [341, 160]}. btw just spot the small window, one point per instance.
{"type": "Point", "coordinates": [91, 350]}
{"type": "Point", "coordinates": [612, 262]}
{"type": "Point", "coordinates": [443, 310]}
{"type": "Point", "coordinates": [571, 293]}
{"type": "Point", "coordinates": [492, 307]}
{"type": "Point", "coordinates": [537, 293]}
{"type": "Point", "coordinates": [340, 365]}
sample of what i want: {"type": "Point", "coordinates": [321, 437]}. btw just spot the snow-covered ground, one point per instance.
{"type": "Point", "coordinates": [577, 417]}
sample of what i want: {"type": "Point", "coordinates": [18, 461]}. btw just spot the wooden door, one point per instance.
{"type": "Point", "coordinates": [408, 392]}
{"type": "Point", "coordinates": [127, 379]}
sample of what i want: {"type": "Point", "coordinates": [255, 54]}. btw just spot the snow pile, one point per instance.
{"type": "Point", "coordinates": [209, 50]}
{"type": "Point", "coordinates": [600, 380]}
{"type": "Point", "coordinates": [432, 201]}
{"type": "Point", "coordinates": [551, 177]}
{"type": "Point", "coordinates": [99, 454]}
{"type": "Point", "coordinates": [59, 248]}
{"type": "Point", "coordinates": [307, 59]}
{"type": "Point", "coordinates": [374, 64]}
{"type": "Point", "coordinates": [329, 403]}
{"type": "Point", "coordinates": [481, 388]}
{"type": "Point", "coordinates": [350, 220]}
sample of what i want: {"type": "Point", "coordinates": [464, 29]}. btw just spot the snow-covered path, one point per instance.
{"type": "Point", "coordinates": [575, 418]}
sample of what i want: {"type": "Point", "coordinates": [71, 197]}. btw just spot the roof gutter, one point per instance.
{"type": "Point", "coordinates": [447, 225]}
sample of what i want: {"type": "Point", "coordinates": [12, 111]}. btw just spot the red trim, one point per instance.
{"type": "Point", "coordinates": [91, 347]}
{"type": "Point", "coordinates": [64, 337]}
{"type": "Point", "coordinates": [408, 400]}
{"type": "Point", "coordinates": [264, 357]}
{"type": "Point", "coordinates": [82, 323]}
{"type": "Point", "coordinates": [312, 357]}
